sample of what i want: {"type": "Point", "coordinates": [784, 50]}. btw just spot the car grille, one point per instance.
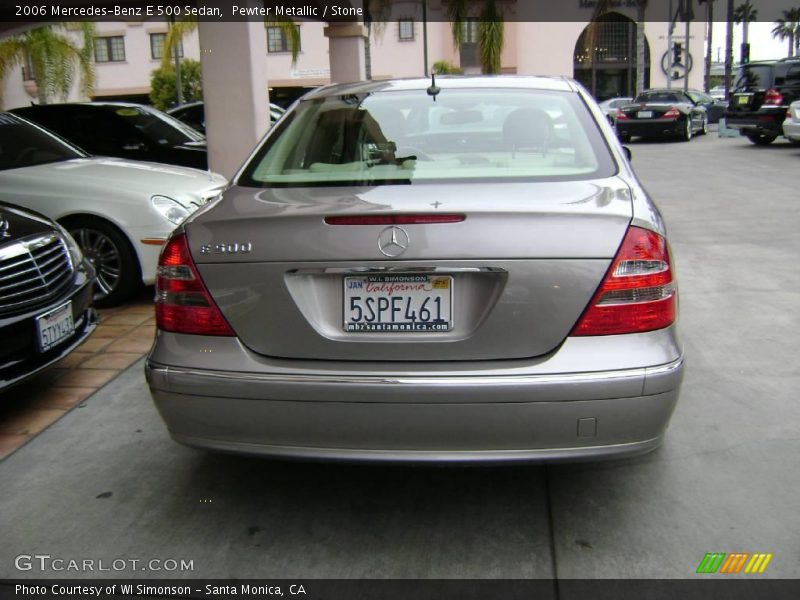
{"type": "Point", "coordinates": [32, 271]}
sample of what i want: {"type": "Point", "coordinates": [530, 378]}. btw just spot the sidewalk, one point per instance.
{"type": "Point", "coordinates": [125, 334]}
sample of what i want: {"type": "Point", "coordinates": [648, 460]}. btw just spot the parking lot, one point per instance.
{"type": "Point", "coordinates": [106, 481]}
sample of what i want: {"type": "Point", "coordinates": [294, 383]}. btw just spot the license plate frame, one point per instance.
{"type": "Point", "coordinates": [644, 114]}
{"type": "Point", "coordinates": [55, 326]}
{"type": "Point", "coordinates": [417, 315]}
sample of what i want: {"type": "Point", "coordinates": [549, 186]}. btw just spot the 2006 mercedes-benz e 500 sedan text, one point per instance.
{"type": "Point", "coordinates": [464, 270]}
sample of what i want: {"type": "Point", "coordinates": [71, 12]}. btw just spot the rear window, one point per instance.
{"type": "Point", "coordinates": [753, 77]}
{"type": "Point", "coordinates": [407, 137]}
{"type": "Point", "coordinates": [658, 97]}
{"type": "Point", "coordinates": [156, 126]}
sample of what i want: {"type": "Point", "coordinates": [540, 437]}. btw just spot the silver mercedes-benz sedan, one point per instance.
{"type": "Point", "coordinates": [404, 270]}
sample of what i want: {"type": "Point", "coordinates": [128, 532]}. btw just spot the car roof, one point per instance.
{"type": "Point", "coordinates": [101, 105]}
{"type": "Point", "coordinates": [562, 84]}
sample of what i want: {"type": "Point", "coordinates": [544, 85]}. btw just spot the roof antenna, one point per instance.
{"type": "Point", "coordinates": [433, 90]}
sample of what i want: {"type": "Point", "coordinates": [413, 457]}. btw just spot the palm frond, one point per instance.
{"type": "Point", "coordinates": [457, 12]}
{"type": "Point", "coordinates": [176, 30]}
{"type": "Point", "coordinates": [490, 38]}
{"type": "Point", "coordinates": [12, 56]}
{"type": "Point", "coordinates": [292, 32]}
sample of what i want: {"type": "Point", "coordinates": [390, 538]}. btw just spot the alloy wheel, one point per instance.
{"type": "Point", "coordinates": [104, 256]}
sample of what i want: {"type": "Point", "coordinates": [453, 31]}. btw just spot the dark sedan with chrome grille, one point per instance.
{"type": "Point", "coordinates": [466, 270]}
{"type": "Point", "coordinates": [46, 291]}
{"type": "Point", "coordinates": [662, 113]}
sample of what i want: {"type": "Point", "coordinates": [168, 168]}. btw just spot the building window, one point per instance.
{"type": "Point", "coordinates": [277, 40]}
{"type": "Point", "coordinates": [27, 69]}
{"type": "Point", "coordinates": [109, 49]}
{"type": "Point", "coordinates": [405, 30]}
{"type": "Point", "coordinates": [469, 31]}
{"type": "Point", "coordinates": [157, 46]}
{"type": "Point", "coordinates": [469, 43]}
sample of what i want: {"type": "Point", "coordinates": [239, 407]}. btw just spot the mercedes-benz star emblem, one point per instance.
{"type": "Point", "coordinates": [393, 241]}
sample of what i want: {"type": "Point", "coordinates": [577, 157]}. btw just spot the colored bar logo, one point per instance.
{"type": "Point", "coordinates": [734, 563]}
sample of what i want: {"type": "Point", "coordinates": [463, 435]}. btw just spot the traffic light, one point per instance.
{"type": "Point", "coordinates": [745, 58]}
{"type": "Point", "coordinates": [677, 53]}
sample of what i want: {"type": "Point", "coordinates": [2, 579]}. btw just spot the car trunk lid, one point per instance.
{"type": "Point", "coordinates": [513, 275]}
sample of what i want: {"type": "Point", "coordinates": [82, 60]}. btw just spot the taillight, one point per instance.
{"type": "Point", "coordinates": [637, 293]}
{"type": "Point", "coordinates": [672, 113]}
{"type": "Point", "coordinates": [621, 116]}
{"type": "Point", "coordinates": [773, 98]}
{"type": "Point", "coordinates": [183, 304]}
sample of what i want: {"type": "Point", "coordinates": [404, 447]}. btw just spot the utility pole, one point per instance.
{"type": "Point", "coordinates": [670, 44]}
{"type": "Point", "coordinates": [729, 51]}
{"type": "Point", "coordinates": [710, 31]}
{"type": "Point", "coordinates": [425, 34]}
{"type": "Point", "coordinates": [688, 15]}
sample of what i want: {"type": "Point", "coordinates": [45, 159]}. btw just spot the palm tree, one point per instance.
{"type": "Point", "coordinates": [788, 28]}
{"type": "Point", "coordinates": [172, 44]}
{"type": "Point", "coordinates": [53, 57]}
{"type": "Point", "coordinates": [743, 15]}
{"type": "Point", "coordinates": [605, 6]}
{"type": "Point", "coordinates": [490, 32]}
{"type": "Point", "coordinates": [375, 14]}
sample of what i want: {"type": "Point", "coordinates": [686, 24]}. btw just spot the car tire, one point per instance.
{"type": "Point", "coordinates": [760, 139]}
{"type": "Point", "coordinates": [686, 134]}
{"type": "Point", "coordinates": [704, 127]}
{"type": "Point", "coordinates": [110, 252]}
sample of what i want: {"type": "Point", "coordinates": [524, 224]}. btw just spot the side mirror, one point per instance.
{"type": "Point", "coordinates": [628, 153]}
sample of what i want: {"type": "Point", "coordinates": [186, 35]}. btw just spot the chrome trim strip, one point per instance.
{"type": "Point", "coordinates": [665, 369]}
{"type": "Point", "coordinates": [393, 269]}
{"type": "Point", "coordinates": [446, 380]}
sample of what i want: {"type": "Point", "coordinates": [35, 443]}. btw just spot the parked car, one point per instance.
{"type": "Point", "coordinates": [123, 130]}
{"type": "Point", "coordinates": [119, 211]}
{"type": "Point", "coordinates": [45, 294]}
{"type": "Point", "coordinates": [610, 106]}
{"type": "Point", "coordinates": [463, 272]}
{"type": "Point", "coordinates": [717, 92]}
{"type": "Point", "coordinates": [762, 93]}
{"type": "Point", "coordinates": [791, 126]}
{"type": "Point", "coordinates": [662, 113]}
{"type": "Point", "coordinates": [193, 114]}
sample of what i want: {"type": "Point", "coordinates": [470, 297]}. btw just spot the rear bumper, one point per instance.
{"type": "Point", "coordinates": [412, 416]}
{"type": "Point", "coordinates": [791, 129]}
{"type": "Point", "coordinates": [765, 122]}
{"type": "Point", "coordinates": [651, 127]}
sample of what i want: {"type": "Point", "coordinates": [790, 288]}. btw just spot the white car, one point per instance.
{"type": "Point", "coordinates": [791, 126]}
{"type": "Point", "coordinates": [717, 92]}
{"type": "Point", "coordinates": [610, 107]}
{"type": "Point", "coordinates": [119, 211]}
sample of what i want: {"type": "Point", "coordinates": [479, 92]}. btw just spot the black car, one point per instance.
{"type": "Point", "coordinates": [193, 114]}
{"type": "Point", "coordinates": [762, 93]}
{"type": "Point", "coordinates": [46, 289]}
{"type": "Point", "coordinates": [124, 130]}
{"type": "Point", "coordinates": [660, 113]}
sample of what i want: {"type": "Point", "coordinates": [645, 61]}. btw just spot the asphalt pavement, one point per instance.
{"type": "Point", "coordinates": [106, 482]}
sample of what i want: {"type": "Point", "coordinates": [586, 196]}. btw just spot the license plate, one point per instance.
{"type": "Point", "coordinates": [644, 114]}
{"type": "Point", "coordinates": [54, 326]}
{"type": "Point", "coordinates": [742, 99]}
{"type": "Point", "coordinates": [398, 303]}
